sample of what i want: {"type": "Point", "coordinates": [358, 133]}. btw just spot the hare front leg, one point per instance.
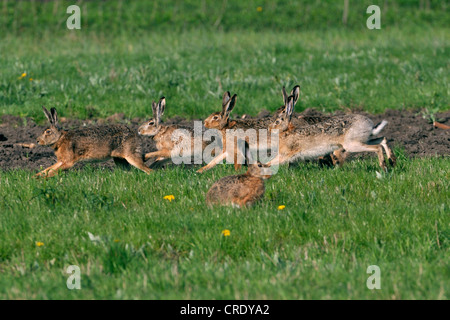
{"type": "Point", "coordinates": [164, 153]}
{"type": "Point", "coordinates": [136, 161]}
{"type": "Point", "coordinates": [159, 162]}
{"type": "Point", "coordinates": [53, 170]}
{"type": "Point", "coordinates": [43, 173]}
{"type": "Point", "coordinates": [238, 160]}
{"type": "Point", "coordinates": [280, 159]}
{"type": "Point", "coordinates": [213, 162]}
{"type": "Point", "coordinates": [338, 157]}
{"type": "Point", "coordinates": [63, 166]}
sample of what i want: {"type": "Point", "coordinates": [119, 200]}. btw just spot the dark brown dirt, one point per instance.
{"type": "Point", "coordinates": [406, 129]}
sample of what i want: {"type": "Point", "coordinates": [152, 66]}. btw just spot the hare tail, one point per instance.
{"type": "Point", "coordinates": [377, 129]}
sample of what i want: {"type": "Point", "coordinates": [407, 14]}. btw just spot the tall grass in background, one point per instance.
{"type": "Point", "coordinates": [122, 17]}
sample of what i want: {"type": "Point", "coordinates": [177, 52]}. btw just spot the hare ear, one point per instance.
{"type": "Point", "coordinates": [229, 107]}
{"type": "Point", "coordinates": [285, 96]}
{"type": "Point", "coordinates": [154, 109]}
{"type": "Point", "coordinates": [54, 116]}
{"type": "Point", "coordinates": [161, 106]}
{"type": "Point", "coordinates": [48, 115]}
{"type": "Point", "coordinates": [290, 107]}
{"type": "Point", "coordinates": [296, 93]}
{"type": "Point", "coordinates": [225, 99]}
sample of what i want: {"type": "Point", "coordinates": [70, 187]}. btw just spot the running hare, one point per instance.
{"type": "Point", "coordinates": [232, 130]}
{"type": "Point", "coordinates": [97, 143]}
{"type": "Point", "coordinates": [240, 190]}
{"type": "Point", "coordinates": [341, 134]}
{"type": "Point", "coordinates": [170, 139]}
{"type": "Point", "coordinates": [221, 121]}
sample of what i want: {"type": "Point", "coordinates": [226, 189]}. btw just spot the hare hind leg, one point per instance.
{"type": "Point", "coordinates": [356, 147]}
{"type": "Point", "coordinates": [391, 156]}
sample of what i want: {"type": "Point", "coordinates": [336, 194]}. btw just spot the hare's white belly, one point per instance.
{"type": "Point", "coordinates": [314, 151]}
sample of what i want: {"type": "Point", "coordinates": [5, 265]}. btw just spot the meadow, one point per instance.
{"type": "Point", "coordinates": [131, 243]}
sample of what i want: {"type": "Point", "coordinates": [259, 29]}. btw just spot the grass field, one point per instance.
{"type": "Point", "coordinates": [336, 223]}
{"type": "Point", "coordinates": [85, 76]}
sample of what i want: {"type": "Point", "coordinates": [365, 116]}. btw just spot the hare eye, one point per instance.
{"type": "Point", "coordinates": [150, 123]}
{"type": "Point", "coordinates": [215, 118]}
{"type": "Point", "coordinates": [48, 131]}
{"type": "Point", "coordinates": [260, 165]}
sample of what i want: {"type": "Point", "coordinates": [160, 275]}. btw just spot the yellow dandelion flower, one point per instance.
{"type": "Point", "coordinates": [169, 197]}
{"type": "Point", "coordinates": [23, 75]}
{"type": "Point", "coordinates": [39, 244]}
{"type": "Point", "coordinates": [281, 207]}
{"type": "Point", "coordinates": [31, 79]}
{"type": "Point", "coordinates": [259, 9]}
{"type": "Point", "coordinates": [226, 233]}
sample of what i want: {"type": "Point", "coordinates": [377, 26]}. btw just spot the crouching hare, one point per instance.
{"type": "Point", "coordinates": [97, 143]}
{"type": "Point", "coordinates": [240, 190]}
{"type": "Point", "coordinates": [340, 135]}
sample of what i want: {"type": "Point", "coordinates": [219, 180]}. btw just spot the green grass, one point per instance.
{"type": "Point", "coordinates": [83, 76]}
{"type": "Point", "coordinates": [336, 223]}
{"type": "Point", "coordinates": [130, 17]}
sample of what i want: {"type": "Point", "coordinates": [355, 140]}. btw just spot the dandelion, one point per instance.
{"type": "Point", "coordinates": [169, 197]}
{"type": "Point", "coordinates": [259, 9]}
{"type": "Point", "coordinates": [31, 79]}
{"type": "Point", "coordinates": [281, 207]}
{"type": "Point", "coordinates": [39, 244]}
{"type": "Point", "coordinates": [23, 75]}
{"type": "Point", "coordinates": [226, 233]}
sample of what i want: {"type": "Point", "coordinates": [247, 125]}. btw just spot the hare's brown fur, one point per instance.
{"type": "Point", "coordinates": [221, 121]}
{"type": "Point", "coordinates": [341, 135]}
{"type": "Point", "coordinates": [163, 135]}
{"type": "Point", "coordinates": [90, 144]}
{"type": "Point", "coordinates": [240, 190]}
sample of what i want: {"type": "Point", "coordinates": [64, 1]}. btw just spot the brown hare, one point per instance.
{"type": "Point", "coordinates": [340, 134]}
{"type": "Point", "coordinates": [97, 143]}
{"type": "Point", "coordinates": [221, 122]}
{"type": "Point", "coordinates": [171, 140]}
{"type": "Point", "coordinates": [240, 190]}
